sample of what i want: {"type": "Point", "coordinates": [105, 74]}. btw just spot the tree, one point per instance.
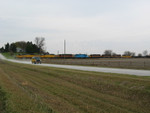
{"type": "Point", "coordinates": [145, 53]}
{"type": "Point", "coordinates": [7, 47]}
{"type": "Point", "coordinates": [128, 53]}
{"type": "Point", "coordinates": [108, 52]}
{"type": "Point", "coordinates": [35, 48]}
{"type": "Point", "coordinates": [114, 54]}
{"type": "Point", "coordinates": [2, 49]}
{"type": "Point", "coordinates": [21, 45]}
{"type": "Point", "coordinates": [12, 47]}
{"type": "Point", "coordinates": [139, 55]}
{"type": "Point", "coordinates": [29, 48]}
{"type": "Point", "coordinates": [132, 53]}
{"type": "Point", "coordinates": [40, 42]}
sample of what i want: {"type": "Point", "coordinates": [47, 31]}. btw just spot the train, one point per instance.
{"type": "Point", "coordinates": [73, 56]}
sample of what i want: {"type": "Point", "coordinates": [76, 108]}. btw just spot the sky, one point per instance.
{"type": "Point", "coordinates": [88, 26]}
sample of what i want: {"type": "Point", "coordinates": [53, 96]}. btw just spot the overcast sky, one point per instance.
{"type": "Point", "coordinates": [88, 26]}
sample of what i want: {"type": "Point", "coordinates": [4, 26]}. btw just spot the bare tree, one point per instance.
{"type": "Point", "coordinates": [108, 52]}
{"type": "Point", "coordinates": [129, 53]}
{"type": "Point", "coordinates": [114, 54]}
{"type": "Point", "coordinates": [139, 55]}
{"type": "Point", "coordinates": [40, 42]}
{"type": "Point", "coordinates": [132, 53]}
{"type": "Point", "coordinates": [145, 53]}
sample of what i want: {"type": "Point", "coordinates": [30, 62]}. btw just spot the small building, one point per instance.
{"type": "Point", "coordinates": [19, 50]}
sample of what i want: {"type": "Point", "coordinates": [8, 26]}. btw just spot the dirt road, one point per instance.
{"type": "Point", "coordinates": [87, 68]}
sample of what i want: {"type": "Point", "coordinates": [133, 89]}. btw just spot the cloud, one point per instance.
{"type": "Point", "coordinates": [88, 26]}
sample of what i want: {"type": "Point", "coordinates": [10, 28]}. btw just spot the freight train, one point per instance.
{"type": "Point", "coordinates": [73, 56]}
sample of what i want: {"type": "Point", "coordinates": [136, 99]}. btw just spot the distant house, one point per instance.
{"type": "Point", "coordinates": [19, 50]}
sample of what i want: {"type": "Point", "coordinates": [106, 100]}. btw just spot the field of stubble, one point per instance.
{"type": "Point", "coordinates": [36, 89]}
{"type": "Point", "coordinates": [131, 63]}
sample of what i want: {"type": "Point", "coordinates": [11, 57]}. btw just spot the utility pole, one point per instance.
{"type": "Point", "coordinates": [64, 48]}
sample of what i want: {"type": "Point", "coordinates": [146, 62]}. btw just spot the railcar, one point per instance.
{"type": "Point", "coordinates": [124, 56]}
{"type": "Point", "coordinates": [19, 56]}
{"type": "Point", "coordinates": [25, 56]}
{"type": "Point", "coordinates": [95, 56]}
{"type": "Point", "coordinates": [64, 56]}
{"type": "Point", "coordinates": [106, 56]}
{"type": "Point", "coordinates": [81, 56]}
{"type": "Point", "coordinates": [48, 56]}
{"type": "Point", "coordinates": [116, 56]}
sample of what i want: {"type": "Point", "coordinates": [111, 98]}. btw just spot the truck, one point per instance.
{"type": "Point", "coordinates": [36, 60]}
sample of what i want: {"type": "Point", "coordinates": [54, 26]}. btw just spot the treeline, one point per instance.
{"type": "Point", "coordinates": [126, 53]}
{"type": "Point", "coordinates": [25, 47]}
{"type": "Point", "coordinates": [20, 47]}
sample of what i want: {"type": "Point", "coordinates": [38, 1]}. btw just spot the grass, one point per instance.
{"type": "Point", "coordinates": [3, 99]}
{"type": "Point", "coordinates": [36, 89]}
{"type": "Point", "coordinates": [9, 55]}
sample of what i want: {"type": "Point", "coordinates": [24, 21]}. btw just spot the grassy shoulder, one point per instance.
{"type": "Point", "coordinates": [3, 99]}
{"type": "Point", "coordinates": [10, 55]}
{"type": "Point", "coordinates": [39, 89]}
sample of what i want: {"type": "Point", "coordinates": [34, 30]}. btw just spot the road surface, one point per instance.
{"type": "Point", "coordinates": [87, 68]}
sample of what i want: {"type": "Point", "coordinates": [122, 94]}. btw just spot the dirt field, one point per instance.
{"type": "Point", "coordinates": [133, 63]}
{"type": "Point", "coordinates": [35, 89]}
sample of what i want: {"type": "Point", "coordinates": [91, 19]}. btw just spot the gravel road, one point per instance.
{"type": "Point", "coordinates": [87, 68]}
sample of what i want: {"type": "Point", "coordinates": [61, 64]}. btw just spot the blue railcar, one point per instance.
{"type": "Point", "coordinates": [81, 56]}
